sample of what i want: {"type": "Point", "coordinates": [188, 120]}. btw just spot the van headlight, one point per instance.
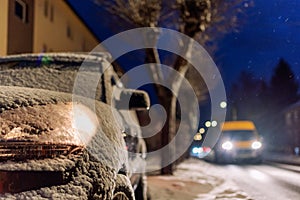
{"type": "Point", "coordinates": [227, 145]}
{"type": "Point", "coordinates": [256, 145]}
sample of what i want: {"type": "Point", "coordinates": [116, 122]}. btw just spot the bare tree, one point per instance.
{"type": "Point", "coordinates": [203, 20]}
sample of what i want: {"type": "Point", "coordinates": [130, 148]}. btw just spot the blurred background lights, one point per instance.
{"type": "Point", "coordinates": [201, 130]}
{"type": "Point", "coordinates": [197, 150]}
{"type": "Point", "coordinates": [207, 124]}
{"type": "Point", "coordinates": [223, 104]}
{"type": "Point", "coordinates": [198, 136]}
{"type": "Point", "coordinates": [214, 123]}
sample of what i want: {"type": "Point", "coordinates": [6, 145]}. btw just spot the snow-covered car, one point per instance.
{"type": "Point", "coordinates": [136, 148]}
{"type": "Point", "coordinates": [53, 143]}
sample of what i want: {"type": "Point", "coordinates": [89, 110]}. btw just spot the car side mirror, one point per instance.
{"type": "Point", "coordinates": [133, 100]}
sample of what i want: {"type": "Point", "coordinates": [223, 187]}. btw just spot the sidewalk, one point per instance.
{"type": "Point", "coordinates": [194, 180]}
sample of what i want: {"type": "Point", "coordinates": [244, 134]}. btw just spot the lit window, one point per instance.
{"type": "Point", "coordinates": [21, 10]}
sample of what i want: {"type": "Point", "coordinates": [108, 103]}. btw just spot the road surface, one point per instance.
{"type": "Point", "coordinates": [266, 181]}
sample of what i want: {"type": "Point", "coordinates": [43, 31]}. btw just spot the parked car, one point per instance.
{"type": "Point", "coordinates": [136, 148]}
{"type": "Point", "coordinates": [239, 141]}
{"type": "Point", "coordinates": [52, 143]}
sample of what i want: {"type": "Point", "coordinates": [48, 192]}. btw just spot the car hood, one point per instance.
{"type": "Point", "coordinates": [48, 124]}
{"type": "Point", "coordinates": [39, 117]}
{"type": "Point", "coordinates": [44, 117]}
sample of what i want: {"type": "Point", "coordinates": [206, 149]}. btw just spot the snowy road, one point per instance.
{"type": "Point", "coordinates": [199, 180]}
{"type": "Point", "coordinates": [265, 181]}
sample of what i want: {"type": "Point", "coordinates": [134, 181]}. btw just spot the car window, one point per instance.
{"type": "Point", "coordinates": [54, 76]}
{"type": "Point", "coordinates": [239, 135]}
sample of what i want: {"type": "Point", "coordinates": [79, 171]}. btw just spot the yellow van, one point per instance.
{"type": "Point", "coordinates": [239, 140]}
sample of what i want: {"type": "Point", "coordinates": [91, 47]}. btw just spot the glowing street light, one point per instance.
{"type": "Point", "coordinates": [214, 123]}
{"type": "Point", "coordinates": [207, 124]}
{"type": "Point", "coordinates": [201, 130]}
{"type": "Point", "coordinates": [223, 104]}
{"type": "Point", "coordinates": [198, 137]}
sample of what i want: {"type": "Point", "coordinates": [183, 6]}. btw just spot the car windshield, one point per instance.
{"type": "Point", "coordinates": [239, 135]}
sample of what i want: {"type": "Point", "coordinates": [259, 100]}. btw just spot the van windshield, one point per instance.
{"type": "Point", "coordinates": [240, 135]}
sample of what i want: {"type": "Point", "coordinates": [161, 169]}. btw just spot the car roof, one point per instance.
{"type": "Point", "coordinates": [55, 71]}
{"type": "Point", "coordinates": [57, 57]}
{"type": "Point", "coordinates": [238, 125]}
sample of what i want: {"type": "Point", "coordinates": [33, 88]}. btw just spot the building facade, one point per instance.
{"type": "Point", "coordinates": [33, 26]}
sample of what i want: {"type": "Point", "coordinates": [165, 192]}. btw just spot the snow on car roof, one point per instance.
{"type": "Point", "coordinates": [27, 71]}
{"type": "Point", "coordinates": [58, 57]}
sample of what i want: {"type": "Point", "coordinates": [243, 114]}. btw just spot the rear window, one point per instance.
{"type": "Point", "coordinates": [54, 76]}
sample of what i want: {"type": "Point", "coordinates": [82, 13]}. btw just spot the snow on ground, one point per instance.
{"type": "Point", "coordinates": [194, 180]}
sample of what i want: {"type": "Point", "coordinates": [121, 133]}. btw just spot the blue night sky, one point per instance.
{"type": "Point", "coordinates": [271, 31]}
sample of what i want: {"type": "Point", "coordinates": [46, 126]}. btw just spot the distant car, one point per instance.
{"type": "Point", "coordinates": [199, 151]}
{"type": "Point", "coordinates": [52, 145]}
{"type": "Point", "coordinates": [239, 141]}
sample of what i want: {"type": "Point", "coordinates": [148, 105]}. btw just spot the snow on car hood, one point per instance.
{"type": "Point", "coordinates": [51, 123]}
{"type": "Point", "coordinates": [94, 171]}
{"type": "Point", "coordinates": [48, 117]}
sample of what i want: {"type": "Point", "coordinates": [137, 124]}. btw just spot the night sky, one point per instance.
{"type": "Point", "coordinates": [271, 30]}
